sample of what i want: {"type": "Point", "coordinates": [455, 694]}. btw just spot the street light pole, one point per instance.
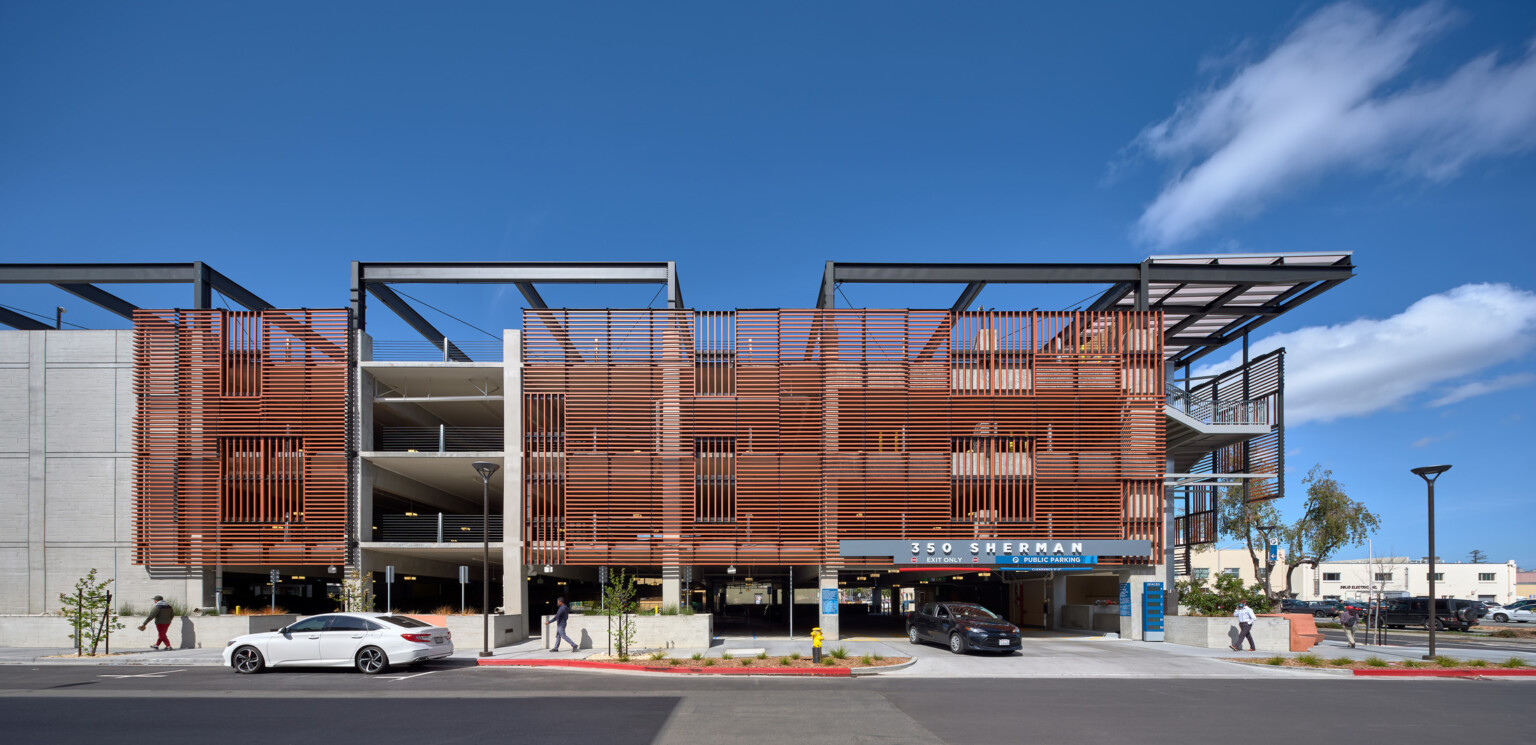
{"type": "Point", "coordinates": [1429, 474]}
{"type": "Point", "coordinates": [485, 469]}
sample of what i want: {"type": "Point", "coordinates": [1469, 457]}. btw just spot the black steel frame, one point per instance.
{"type": "Point", "coordinates": [375, 278]}
{"type": "Point", "coordinates": [80, 280]}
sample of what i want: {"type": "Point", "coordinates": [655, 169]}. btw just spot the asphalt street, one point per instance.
{"type": "Point", "coordinates": [459, 703]}
{"type": "Point", "coordinates": [1470, 644]}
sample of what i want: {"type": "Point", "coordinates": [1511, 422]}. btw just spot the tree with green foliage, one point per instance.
{"type": "Point", "coordinates": [1222, 598]}
{"type": "Point", "coordinates": [88, 610]}
{"type": "Point", "coordinates": [1330, 521]}
{"type": "Point", "coordinates": [619, 604]}
{"type": "Point", "coordinates": [356, 595]}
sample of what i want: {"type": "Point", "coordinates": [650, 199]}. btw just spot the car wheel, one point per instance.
{"type": "Point", "coordinates": [912, 635]}
{"type": "Point", "coordinates": [371, 661]}
{"type": "Point", "coordinates": [247, 660]}
{"type": "Point", "coordinates": [1501, 618]}
{"type": "Point", "coordinates": [957, 644]}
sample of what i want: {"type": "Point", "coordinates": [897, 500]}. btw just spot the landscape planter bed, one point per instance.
{"type": "Point", "coordinates": [1397, 670]}
{"type": "Point", "coordinates": [770, 666]}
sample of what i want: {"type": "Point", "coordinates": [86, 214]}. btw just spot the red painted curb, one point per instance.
{"type": "Point", "coordinates": [1481, 673]}
{"type": "Point", "coordinates": [821, 672]}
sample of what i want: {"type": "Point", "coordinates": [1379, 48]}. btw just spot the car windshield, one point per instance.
{"type": "Point", "coordinates": [405, 621]}
{"type": "Point", "coordinates": [973, 612]}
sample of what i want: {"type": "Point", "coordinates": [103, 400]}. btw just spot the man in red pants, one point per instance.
{"type": "Point", "coordinates": [161, 614]}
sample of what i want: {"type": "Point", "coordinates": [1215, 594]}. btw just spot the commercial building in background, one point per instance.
{"type": "Point", "coordinates": [1360, 579]}
{"type": "Point", "coordinates": [1525, 585]}
{"type": "Point", "coordinates": [781, 469]}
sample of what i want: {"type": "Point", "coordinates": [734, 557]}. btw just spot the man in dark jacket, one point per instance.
{"type": "Point", "coordinates": [562, 614]}
{"type": "Point", "coordinates": [161, 614]}
{"type": "Point", "coordinates": [1348, 619]}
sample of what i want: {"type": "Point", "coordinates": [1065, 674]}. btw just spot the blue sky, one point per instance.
{"type": "Point", "coordinates": [752, 143]}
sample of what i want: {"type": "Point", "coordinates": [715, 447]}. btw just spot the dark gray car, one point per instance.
{"type": "Point", "coordinates": [962, 627]}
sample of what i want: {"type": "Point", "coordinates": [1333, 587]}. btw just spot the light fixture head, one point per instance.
{"type": "Point", "coordinates": [485, 468]}
{"type": "Point", "coordinates": [548, 569]}
{"type": "Point", "coordinates": [730, 569]}
{"type": "Point", "coordinates": [1430, 473]}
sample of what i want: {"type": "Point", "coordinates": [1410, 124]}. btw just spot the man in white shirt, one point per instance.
{"type": "Point", "coordinates": [1245, 619]}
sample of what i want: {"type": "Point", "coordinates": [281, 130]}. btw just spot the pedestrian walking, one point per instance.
{"type": "Point", "coordinates": [1245, 619]}
{"type": "Point", "coordinates": [161, 615]}
{"type": "Point", "coordinates": [1348, 619]}
{"type": "Point", "coordinates": [562, 614]}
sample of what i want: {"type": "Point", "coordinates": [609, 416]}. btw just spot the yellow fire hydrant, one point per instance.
{"type": "Point", "coordinates": [816, 645]}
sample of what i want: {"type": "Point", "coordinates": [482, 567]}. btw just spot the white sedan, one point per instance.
{"type": "Point", "coordinates": [371, 642]}
{"type": "Point", "coordinates": [1515, 615]}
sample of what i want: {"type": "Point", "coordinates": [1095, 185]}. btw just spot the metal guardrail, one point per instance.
{"type": "Point", "coordinates": [421, 350]}
{"type": "Point", "coordinates": [435, 528]}
{"type": "Point", "coordinates": [441, 439]}
{"type": "Point", "coordinates": [1214, 411]}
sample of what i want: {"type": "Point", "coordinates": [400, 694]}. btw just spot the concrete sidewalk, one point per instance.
{"type": "Point", "coordinates": [1043, 654]}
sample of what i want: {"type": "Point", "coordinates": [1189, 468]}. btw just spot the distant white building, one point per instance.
{"type": "Point", "coordinates": [1358, 579]}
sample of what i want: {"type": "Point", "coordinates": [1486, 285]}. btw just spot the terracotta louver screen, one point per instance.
{"type": "Point", "coordinates": [240, 438]}
{"type": "Point", "coordinates": [844, 424]}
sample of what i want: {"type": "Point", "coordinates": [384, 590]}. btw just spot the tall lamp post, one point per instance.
{"type": "Point", "coordinates": [485, 469]}
{"type": "Point", "coordinates": [1429, 474]}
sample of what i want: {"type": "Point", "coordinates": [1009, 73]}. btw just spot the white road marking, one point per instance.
{"type": "Point", "coordinates": [408, 677]}
{"type": "Point", "coordinates": [160, 674]}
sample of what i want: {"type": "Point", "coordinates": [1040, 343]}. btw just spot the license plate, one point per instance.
{"type": "Point", "coordinates": [437, 640]}
{"type": "Point", "coordinates": [1004, 642]}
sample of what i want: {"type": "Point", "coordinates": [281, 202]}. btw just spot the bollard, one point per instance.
{"type": "Point", "coordinates": [816, 646]}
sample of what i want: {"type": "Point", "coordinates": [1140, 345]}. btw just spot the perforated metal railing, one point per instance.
{"type": "Point", "coordinates": [440, 439]}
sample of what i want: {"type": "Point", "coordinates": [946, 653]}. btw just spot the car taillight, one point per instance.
{"type": "Point", "coordinates": [418, 638]}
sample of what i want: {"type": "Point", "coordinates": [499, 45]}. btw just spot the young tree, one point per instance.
{"type": "Point", "coordinates": [619, 603]}
{"type": "Point", "coordinates": [1330, 521]}
{"type": "Point", "coordinates": [1478, 557]}
{"type": "Point", "coordinates": [88, 609]}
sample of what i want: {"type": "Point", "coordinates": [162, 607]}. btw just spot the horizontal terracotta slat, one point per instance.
{"type": "Point", "coordinates": [240, 437]}
{"type": "Point", "coordinates": [844, 424]}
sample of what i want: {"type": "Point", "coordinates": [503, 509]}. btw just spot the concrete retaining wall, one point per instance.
{"type": "Point", "coordinates": [467, 631]}
{"type": "Point", "coordinates": [52, 632]}
{"type": "Point", "coordinates": [1270, 634]}
{"type": "Point", "coordinates": [651, 632]}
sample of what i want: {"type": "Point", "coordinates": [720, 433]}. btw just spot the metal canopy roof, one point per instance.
{"type": "Point", "coordinates": [1200, 317]}
{"type": "Point", "coordinates": [1207, 300]}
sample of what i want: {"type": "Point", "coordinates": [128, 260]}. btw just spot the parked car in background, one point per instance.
{"type": "Point", "coordinates": [1450, 613]}
{"type": "Point", "coordinates": [962, 626]}
{"type": "Point", "coordinates": [370, 642]}
{"type": "Point", "coordinates": [1505, 614]}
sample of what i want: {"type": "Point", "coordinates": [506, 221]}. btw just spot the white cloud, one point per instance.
{"type": "Point", "coordinates": [1481, 387]}
{"type": "Point", "coordinates": [1316, 105]}
{"type": "Point", "coordinates": [1367, 365]}
{"type": "Point", "coordinates": [1432, 439]}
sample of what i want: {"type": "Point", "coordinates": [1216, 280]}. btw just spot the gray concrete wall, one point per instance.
{"type": "Point", "coordinates": [186, 632]}
{"type": "Point", "coordinates": [651, 632]}
{"type": "Point", "coordinates": [1269, 634]}
{"type": "Point", "coordinates": [66, 469]}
